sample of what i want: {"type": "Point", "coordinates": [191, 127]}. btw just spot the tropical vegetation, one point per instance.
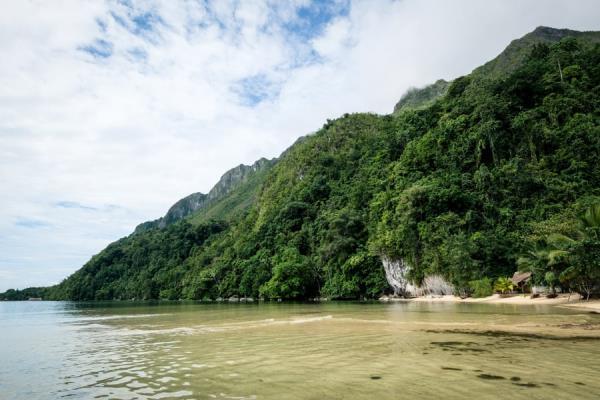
{"type": "Point", "coordinates": [483, 180]}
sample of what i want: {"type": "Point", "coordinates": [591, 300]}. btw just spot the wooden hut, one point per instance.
{"type": "Point", "coordinates": [521, 280]}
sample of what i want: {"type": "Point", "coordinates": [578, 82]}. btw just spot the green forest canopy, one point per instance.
{"type": "Point", "coordinates": [461, 188]}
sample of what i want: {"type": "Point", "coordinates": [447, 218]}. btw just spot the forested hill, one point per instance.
{"type": "Point", "coordinates": [461, 187]}
{"type": "Point", "coordinates": [505, 63]}
{"type": "Point", "coordinates": [196, 202]}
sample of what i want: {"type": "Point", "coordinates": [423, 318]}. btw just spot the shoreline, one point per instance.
{"type": "Point", "coordinates": [574, 301]}
{"type": "Point", "coordinates": [562, 300]}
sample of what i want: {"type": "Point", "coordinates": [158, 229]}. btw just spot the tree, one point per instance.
{"type": "Point", "coordinates": [534, 260]}
{"type": "Point", "coordinates": [579, 252]}
{"type": "Point", "coordinates": [504, 284]}
{"type": "Point", "coordinates": [551, 279]}
{"type": "Point", "coordinates": [481, 287]}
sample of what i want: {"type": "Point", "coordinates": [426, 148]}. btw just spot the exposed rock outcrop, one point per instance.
{"type": "Point", "coordinates": [396, 272]}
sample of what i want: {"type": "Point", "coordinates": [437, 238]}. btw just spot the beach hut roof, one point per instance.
{"type": "Point", "coordinates": [520, 277]}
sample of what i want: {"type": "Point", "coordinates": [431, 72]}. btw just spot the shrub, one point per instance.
{"type": "Point", "coordinates": [504, 285]}
{"type": "Point", "coordinates": [481, 287]}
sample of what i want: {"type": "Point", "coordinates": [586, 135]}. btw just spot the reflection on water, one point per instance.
{"type": "Point", "coordinates": [296, 351]}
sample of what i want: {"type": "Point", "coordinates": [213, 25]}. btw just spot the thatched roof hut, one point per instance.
{"type": "Point", "coordinates": [521, 278]}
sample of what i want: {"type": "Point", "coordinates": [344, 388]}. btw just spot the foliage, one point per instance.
{"type": "Point", "coordinates": [481, 287]}
{"type": "Point", "coordinates": [150, 265]}
{"type": "Point", "coordinates": [25, 294]}
{"type": "Point", "coordinates": [551, 280]}
{"type": "Point", "coordinates": [417, 98]}
{"type": "Point", "coordinates": [237, 200]}
{"type": "Point", "coordinates": [458, 189]}
{"type": "Point", "coordinates": [571, 259]}
{"type": "Point", "coordinates": [580, 253]}
{"type": "Point", "coordinates": [503, 285]}
{"type": "Point", "coordinates": [494, 157]}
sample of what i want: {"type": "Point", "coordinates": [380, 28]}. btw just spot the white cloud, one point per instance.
{"type": "Point", "coordinates": [168, 111]}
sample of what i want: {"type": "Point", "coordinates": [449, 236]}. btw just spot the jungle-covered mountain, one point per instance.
{"type": "Point", "coordinates": [210, 204]}
{"type": "Point", "coordinates": [460, 186]}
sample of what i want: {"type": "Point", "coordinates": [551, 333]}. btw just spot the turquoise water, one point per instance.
{"type": "Point", "coordinates": [51, 350]}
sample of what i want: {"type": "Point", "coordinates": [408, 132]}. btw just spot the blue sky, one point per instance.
{"type": "Point", "coordinates": [110, 111]}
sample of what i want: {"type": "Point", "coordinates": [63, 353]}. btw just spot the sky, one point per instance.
{"type": "Point", "coordinates": [110, 111]}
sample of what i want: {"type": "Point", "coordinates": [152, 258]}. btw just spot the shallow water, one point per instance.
{"type": "Point", "coordinates": [122, 350]}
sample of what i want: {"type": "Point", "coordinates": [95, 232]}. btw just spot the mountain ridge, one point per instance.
{"type": "Point", "coordinates": [195, 202]}
{"type": "Point", "coordinates": [507, 61]}
{"type": "Point", "coordinates": [514, 54]}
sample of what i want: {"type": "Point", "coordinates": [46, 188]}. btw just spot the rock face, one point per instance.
{"type": "Point", "coordinates": [395, 273]}
{"type": "Point", "coordinates": [232, 178]}
{"type": "Point", "coordinates": [196, 201]}
{"type": "Point", "coordinates": [183, 208]}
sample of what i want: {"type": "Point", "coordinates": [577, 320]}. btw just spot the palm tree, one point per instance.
{"type": "Point", "coordinates": [591, 218]}
{"type": "Point", "coordinates": [534, 260]}
{"type": "Point", "coordinates": [503, 284]}
{"type": "Point", "coordinates": [563, 252]}
{"type": "Point", "coordinates": [570, 250]}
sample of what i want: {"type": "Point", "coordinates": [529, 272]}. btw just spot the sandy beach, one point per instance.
{"type": "Point", "coordinates": [562, 300]}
